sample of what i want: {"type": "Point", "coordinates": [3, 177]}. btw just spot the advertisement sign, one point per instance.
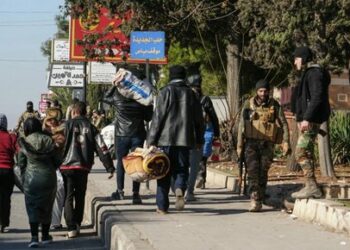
{"type": "Point", "coordinates": [79, 28]}
{"type": "Point", "coordinates": [101, 72]}
{"type": "Point", "coordinates": [147, 45]}
{"type": "Point", "coordinates": [67, 75]}
{"type": "Point", "coordinates": [43, 105]}
{"type": "Point", "coordinates": [60, 50]}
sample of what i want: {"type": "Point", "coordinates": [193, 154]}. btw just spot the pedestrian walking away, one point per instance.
{"type": "Point", "coordinates": [7, 181]}
{"type": "Point", "coordinates": [82, 141]}
{"type": "Point", "coordinates": [52, 126]}
{"type": "Point", "coordinates": [130, 133]}
{"type": "Point", "coordinates": [38, 161]}
{"type": "Point", "coordinates": [177, 126]}
{"type": "Point", "coordinates": [310, 104]}
{"type": "Point", "coordinates": [198, 157]}
{"type": "Point", "coordinates": [262, 125]}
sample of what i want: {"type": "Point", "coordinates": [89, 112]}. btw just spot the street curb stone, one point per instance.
{"type": "Point", "coordinates": [115, 231]}
{"type": "Point", "coordinates": [331, 214]}
{"type": "Point", "coordinates": [328, 213]}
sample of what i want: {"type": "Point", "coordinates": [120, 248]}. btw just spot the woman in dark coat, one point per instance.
{"type": "Point", "coordinates": [38, 161]}
{"type": "Point", "coordinates": [7, 181]}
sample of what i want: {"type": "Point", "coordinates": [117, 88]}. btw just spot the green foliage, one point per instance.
{"type": "Point", "coordinates": [340, 137]}
{"type": "Point", "coordinates": [213, 80]}
{"type": "Point", "coordinates": [272, 33]}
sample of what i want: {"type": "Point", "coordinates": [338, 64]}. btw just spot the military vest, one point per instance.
{"type": "Point", "coordinates": [262, 123]}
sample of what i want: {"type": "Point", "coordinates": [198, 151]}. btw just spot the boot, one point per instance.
{"type": "Point", "coordinates": [310, 190]}
{"type": "Point", "coordinates": [255, 206]}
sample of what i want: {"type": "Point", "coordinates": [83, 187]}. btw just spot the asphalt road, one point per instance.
{"type": "Point", "coordinates": [18, 236]}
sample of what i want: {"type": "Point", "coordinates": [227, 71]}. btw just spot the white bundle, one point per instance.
{"type": "Point", "coordinates": [130, 86]}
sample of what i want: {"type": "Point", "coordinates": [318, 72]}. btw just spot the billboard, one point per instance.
{"type": "Point", "coordinates": [67, 75]}
{"type": "Point", "coordinates": [147, 45]}
{"type": "Point", "coordinates": [60, 50]}
{"type": "Point", "coordinates": [101, 72]}
{"type": "Point", "coordinates": [79, 29]}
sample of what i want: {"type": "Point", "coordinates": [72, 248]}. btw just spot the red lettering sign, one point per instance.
{"type": "Point", "coordinates": [80, 29]}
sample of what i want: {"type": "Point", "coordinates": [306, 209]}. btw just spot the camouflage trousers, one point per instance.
{"type": "Point", "coordinates": [304, 152]}
{"type": "Point", "coordinates": [258, 158]}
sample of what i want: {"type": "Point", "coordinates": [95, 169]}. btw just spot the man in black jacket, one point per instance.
{"type": "Point", "coordinates": [311, 108]}
{"type": "Point", "coordinates": [177, 126]}
{"type": "Point", "coordinates": [130, 133]}
{"type": "Point", "coordinates": [82, 141]}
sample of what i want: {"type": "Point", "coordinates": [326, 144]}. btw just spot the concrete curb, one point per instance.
{"type": "Point", "coordinates": [331, 214]}
{"type": "Point", "coordinates": [115, 231]}
{"type": "Point", "coordinates": [222, 179]}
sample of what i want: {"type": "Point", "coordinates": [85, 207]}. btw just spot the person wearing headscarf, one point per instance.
{"type": "Point", "coordinates": [38, 160]}
{"type": "Point", "coordinates": [7, 151]}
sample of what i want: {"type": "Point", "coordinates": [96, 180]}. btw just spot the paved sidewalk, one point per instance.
{"type": "Point", "coordinates": [218, 220]}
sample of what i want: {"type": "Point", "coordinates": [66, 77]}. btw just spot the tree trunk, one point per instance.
{"type": "Point", "coordinates": [233, 88]}
{"type": "Point", "coordinates": [324, 150]}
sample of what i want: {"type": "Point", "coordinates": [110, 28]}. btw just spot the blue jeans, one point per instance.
{"type": "Point", "coordinates": [179, 165]}
{"type": "Point", "coordinates": [195, 159]}
{"type": "Point", "coordinates": [124, 145]}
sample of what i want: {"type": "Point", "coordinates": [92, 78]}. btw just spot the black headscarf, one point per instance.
{"type": "Point", "coordinates": [31, 125]}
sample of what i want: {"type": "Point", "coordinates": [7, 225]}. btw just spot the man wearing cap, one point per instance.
{"type": "Point", "coordinates": [29, 113]}
{"type": "Point", "coordinates": [311, 108]}
{"type": "Point", "coordinates": [177, 126]}
{"type": "Point", "coordinates": [262, 125]}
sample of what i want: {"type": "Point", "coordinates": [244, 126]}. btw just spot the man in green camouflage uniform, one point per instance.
{"type": "Point", "coordinates": [29, 113]}
{"type": "Point", "coordinates": [262, 125]}
{"type": "Point", "coordinates": [311, 107]}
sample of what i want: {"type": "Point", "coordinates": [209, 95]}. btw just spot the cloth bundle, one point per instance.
{"type": "Point", "coordinates": [130, 86]}
{"type": "Point", "coordinates": [146, 164]}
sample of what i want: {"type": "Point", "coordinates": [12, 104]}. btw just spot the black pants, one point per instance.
{"type": "Point", "coordinates": [7, 182]}
{"type": "Point", "coordinates": [75, 187]}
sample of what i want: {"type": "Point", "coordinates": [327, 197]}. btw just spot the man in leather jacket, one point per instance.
{"type": "Point", "coordinates": [82, 141]}
{"type": "Point", "coordinates": [177, 126]}
{"type": "Point", "coordinates": [130, 133]}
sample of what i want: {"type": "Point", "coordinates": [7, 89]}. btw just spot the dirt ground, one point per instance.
{"type": "Point", "coordinates": [279, 172]}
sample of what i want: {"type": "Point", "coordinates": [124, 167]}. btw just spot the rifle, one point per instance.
{"type": "Point", "coordinates": [242, 179]}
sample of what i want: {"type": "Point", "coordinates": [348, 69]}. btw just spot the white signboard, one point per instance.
{"type": "Point", "coordinates": [67, 75]}
{"type": "Point", "coordinates": [101, 72]}
{"type": "Point", "coordinates": [60, 50]}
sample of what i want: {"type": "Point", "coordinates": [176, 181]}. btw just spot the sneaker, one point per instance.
{"type": "Point", "coordinates": [3, 229]}
{"type": "Point", "coordinates": [46, 239]}
{"type": "Point", "coordinates": [190, 197]}
{"type": "Point", "coordinates": [136, 199]}
{"type": "Point", "coordinates": [180, 201]}
{"type": "Point", "coordinates": [72, 234]}
{"type": "Point", "coordinates": [34, 243]}
{"type": "Point", "coordinates": [118, 195]}
{"type": "Point", "coordinates": [162, 212]}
